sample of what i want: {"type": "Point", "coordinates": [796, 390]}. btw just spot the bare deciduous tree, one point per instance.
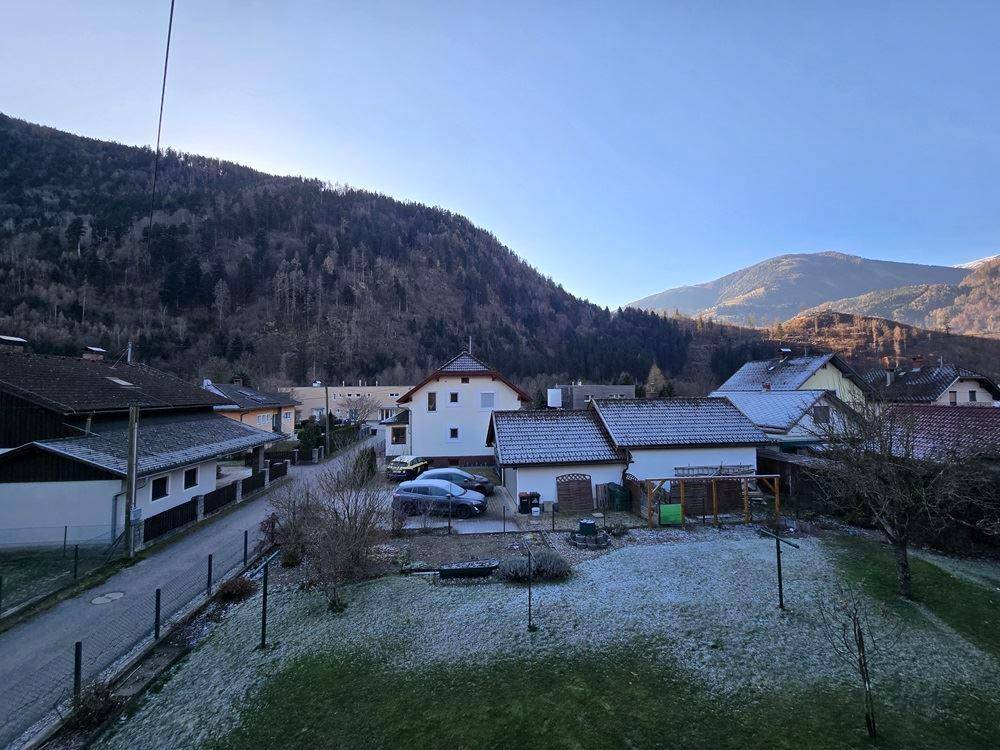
{"type": "Point", "coordinates": [359, 409]}
{"type": "Point", "coordinates": [881, 470]}
{"type": "Point", "coordinates": [850, 629]}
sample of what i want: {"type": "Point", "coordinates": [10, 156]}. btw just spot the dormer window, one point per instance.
{"type": "Point", "coordinates": [119, 381]}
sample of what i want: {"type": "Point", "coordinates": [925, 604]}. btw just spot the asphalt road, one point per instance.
{"type": "Point", "coordinates": [36, 656]}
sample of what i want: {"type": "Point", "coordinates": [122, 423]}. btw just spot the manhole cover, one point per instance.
{"type": "Point", "coordinates": [107, 598]}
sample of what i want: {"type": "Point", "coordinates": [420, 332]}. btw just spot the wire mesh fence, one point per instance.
{"type": "Point", "coordinates": [39, 690]}
{"type": "Point", "coordinates": [37, 561]}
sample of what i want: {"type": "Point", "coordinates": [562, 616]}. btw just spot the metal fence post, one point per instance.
{"type": "Point", "coordinates": [1, 594]}
{"type": "Point", "coordinates": [156, 617]}
{"type": "Point", "coordinates": [263, 608]}
{"type": "Point", "coordinates": [505, 518]}
{"type": "Point", "coordinates": [553, 516]}
{"type": "Point", "coordinates": [76, 560]}
{"type": "Point", "coordinates": [246, 544]}
{"type": "Point", "coordinates": [65, 538]}
{"type": "Point", "coordinates": [208, 589]}
{"type": "Point", "coordinates": [77, 668]}
{"type": "Point", "coordinates": [530, 576]}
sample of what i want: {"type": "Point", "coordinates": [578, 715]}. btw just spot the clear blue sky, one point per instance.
{"type": "Point", "coordinates": [621, 148]}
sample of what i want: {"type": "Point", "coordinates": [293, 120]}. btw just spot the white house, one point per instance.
{"type": "Point", "coordinates": [793, 419]}
{"type": "Point", "coordinates": [447, 414]}
{"type": "Point", "coordinates": [552, 451]}
{"type": "Point", "coordinates": [938, 385]}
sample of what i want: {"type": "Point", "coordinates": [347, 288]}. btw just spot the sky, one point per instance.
{"type": "Point", "coordinates": [620, 148]}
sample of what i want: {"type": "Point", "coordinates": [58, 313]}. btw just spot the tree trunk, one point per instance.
{"type": "Point", "coordinates": [903, 569]}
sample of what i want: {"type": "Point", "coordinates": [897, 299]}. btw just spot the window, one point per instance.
{"type": "Point", "coordinates": [465, 380]}
{"type": "Point", "coordinates": [287, 415]}
{"type": "Point", "coordinates": [487, 400]}
{"type": "Point", "coordinates": [161, 487]}
{"type": "Point", "coordinates": [432, 401]}
{"type": "Point", "coordinates": [263, 419]}
{"type": "Point", "coordinates": [453, 433]}
{"type": "Point", "coordinates": [394, 395]}
{"type": "Point", "coordinates": [821, 414]}
{"type": "Point", "coordinates": [972, 395]}
{"type": "Point", "coordinates": [398, 436]}
{"type": "Point", "coordinates": [190, 478]}
{"type": "Point", "coordinates": [453, 398]}
{"type": "Point", "coordinates": [952, 398]}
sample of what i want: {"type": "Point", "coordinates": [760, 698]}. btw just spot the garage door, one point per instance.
{"type": "Point", "coordinates": [574, 492]}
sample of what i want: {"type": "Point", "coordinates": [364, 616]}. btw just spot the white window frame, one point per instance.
{"type": "Point", "coordinates": [287, 415]}
{"type": "Point", "coordinates": [973, 397]}
{"type": "Point", "coordinates": [196, 477]}
{"type": "Point", "coordinates": [952, 398]}
{"type": "Point", "coordinates": [152, 485]}
{"type": "Point", "coordinates": [263, 419]}
{"type": "Point", "coordinates": [457, 399]}
{"type": "Point", "coordinates": [435, 399]}
{"type": "Point", "coordinates": [458, 434]}
{"type": "Point", "coordinates": [393, 431]}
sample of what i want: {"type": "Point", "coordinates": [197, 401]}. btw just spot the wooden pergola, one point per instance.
{"type": "Point", "coordinates": [770, 481]}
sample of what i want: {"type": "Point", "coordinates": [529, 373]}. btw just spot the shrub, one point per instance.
{"type": "Point", "coordinates": [290, 558]}
{"type": "Point", "coordinates": [547, 565]}
{"type": "Point", "coordinates": [236, 589]}
{"type": "Point", "coordinates": [95, 703]}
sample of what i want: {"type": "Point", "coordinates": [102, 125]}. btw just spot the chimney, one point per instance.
{"type": "Point", "coordinates": [765, 386]}
{"type": "Point", "coordinates": [918, 362]}
{"type": "Point", "coordinates": [13, 345]}
{"type": "Point", "coordinates": [94, 354]}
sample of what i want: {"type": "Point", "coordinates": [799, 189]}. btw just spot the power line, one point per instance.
{"type": "Point", "coordinates": [159, 128]}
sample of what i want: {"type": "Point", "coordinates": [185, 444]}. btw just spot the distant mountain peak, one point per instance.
{"type": "Point", "coordinates": [972, 265]}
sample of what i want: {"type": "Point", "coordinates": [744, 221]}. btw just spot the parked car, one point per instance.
{"type": "Point", "coordinates": [406, 467]}
{"type": "Point", "coordinates": [476, 482]}
{"type": "Point", "coordinates": [438, 497]}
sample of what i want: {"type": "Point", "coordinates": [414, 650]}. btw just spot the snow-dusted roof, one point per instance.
{"type": "Point", "coordinates": [464, 362]}
{"type": "Point", "coordinates": [780, 374]}
{"type": "Point", "coordinates": [549, 437]}
{"type": "Point", "coordinates": [773, 410]}
{"type": "Point", "coordinates": [676, 422]}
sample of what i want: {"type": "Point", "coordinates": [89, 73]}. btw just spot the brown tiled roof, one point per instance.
{"type": "Point", "coordinates": [948, 431]}
{"type": "Point", "coordinates": [786, 374]}
{"type": "Point", "coordinates": [924, 384]}
{"type": "Point", "coordinates": [69, 385]}
{"type": "Point", "coordinates": [464, 364]}
{"type": "Point", "coordinates": [247, 398]}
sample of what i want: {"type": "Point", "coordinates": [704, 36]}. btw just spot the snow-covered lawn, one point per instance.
{"type": "Point", "coordinates": [702, 600]}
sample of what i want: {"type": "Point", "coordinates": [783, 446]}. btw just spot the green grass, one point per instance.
{"type": "Point", "coordinates": [971, 609]}
{"type": "Point", "coordinates": [586, 700]}
{"type": "Point", "coordinates": [30, 572]}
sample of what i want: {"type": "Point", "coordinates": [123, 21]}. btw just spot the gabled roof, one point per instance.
{"type": "Point", "coordinates": [467, 365]}
{"type": "Point", "coordinates": [399, 418]}
{"type": "Point", "coordinates": [925, 384]}
{"type": "Point", "coordinates": [946, 431]}
{"type": "Point", "coordinates": [786, 373]}
{"type": "Point", "coordinates": [71, 385]}
{"type": "Point", "coordinates": [164, 442]}
{"type": "Point", "coordinates": [777, 411]}
{"type": "Point", "coordinates": [676, 422]}
{"type": "Point", "coordinates": [549, 437]}
{"type": "Point", "coordinates": [245, 397]}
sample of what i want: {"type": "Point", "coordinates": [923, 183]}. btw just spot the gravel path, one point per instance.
{"type": "Point", "coordinates": [707, 603]}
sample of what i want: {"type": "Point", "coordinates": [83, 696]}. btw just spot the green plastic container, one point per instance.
{"type": "Point", "coordinates": [617, 497]}
{"type": "Point", "coordinates": [670, 515]}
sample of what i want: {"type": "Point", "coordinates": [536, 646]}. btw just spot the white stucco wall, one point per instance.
{"type": "Point", "coordinates": [542, 479]}
{"type": "Point", "coordinates": [429, 431]}
{"type": "Point", "coordinates": [829, 378]}
{"type": "Point", "coordinates": [963, 386]}
{"type": "Point", "coordinates": [178, 495]}
{"type": "Point", "coordinates": [656, 463]}
{"type": "Point", "coordinates": [35, 512]}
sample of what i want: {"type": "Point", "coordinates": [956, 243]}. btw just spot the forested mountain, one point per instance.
{"type": "Point", "coordinates": [282, 278]}
{"type": "Point", "coordinates": [780, 288]}
{"type": "Point", "coordinates": [972, 306]}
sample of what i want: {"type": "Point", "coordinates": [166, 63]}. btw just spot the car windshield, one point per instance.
{"type": "Point", "coordinates": [456, 490]}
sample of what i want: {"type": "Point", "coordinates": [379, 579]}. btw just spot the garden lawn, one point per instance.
{"type": "Point", "coordinates": [27, 573]}
{"type": "Point", "coordinates": [970, 608]}
{"type": "Point", "coordinates": [607, 699]}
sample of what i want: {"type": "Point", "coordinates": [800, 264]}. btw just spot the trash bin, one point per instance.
{"type": "Point", "coordinates": [618, 498]}
{"type": "Point", "coordinates": [588, 527]}
{"type": "Point", "coordinates": [524, 503]}
{"type": "Point", "coordinates": [536, 499]}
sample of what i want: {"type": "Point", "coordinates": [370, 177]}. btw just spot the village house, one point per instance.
{"type": "Point", "coordinates": [820, 372]}
{"type": "Point", "coordinates": [792, 419]}
{"type": "Point", "coordinates": [344, 401]}
{"type": "Point", "coordinates": [447, 414]}
{"type": "Point", "coordinates": [64, 425]}
{"type": "Point", "coordinates": [554, 452]}
{"type": "Point", "coordinates": [578, 395]}
{"type": "Point", "coordinates": [940, 385]}
{"type": "Point", "coordinates": [266, 411]}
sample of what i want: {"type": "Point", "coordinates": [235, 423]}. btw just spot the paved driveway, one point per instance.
{"type": "Point", "coordinates": [36, 656]}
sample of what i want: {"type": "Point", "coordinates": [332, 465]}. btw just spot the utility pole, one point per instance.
{"type": "Point", "coordinates": [326, 416]}
{"type": "Point", "coordinates": [130, 479]}
{"type": "Point", "coordinates": [128, 352]}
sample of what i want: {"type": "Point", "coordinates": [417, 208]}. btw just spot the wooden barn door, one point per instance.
{"type": "Point", "coordinates": [574, 492]}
